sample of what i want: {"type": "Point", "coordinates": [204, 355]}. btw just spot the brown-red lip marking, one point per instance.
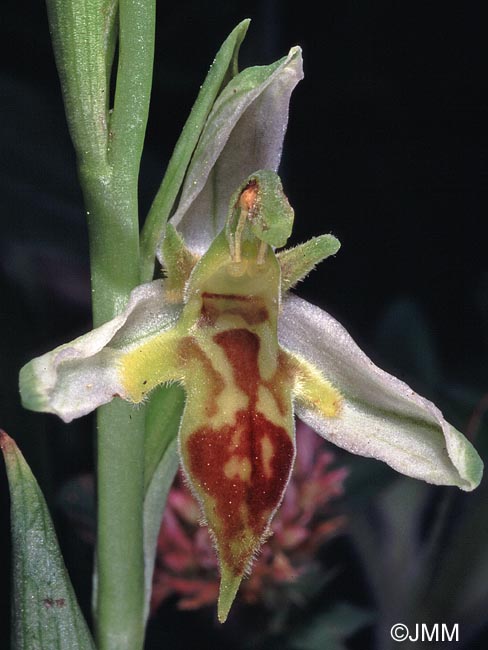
{"type": "Point", "coordinates": [243, 506]}
{"type": "Point", "coordinates": [252, 309]}
{"type": "Point", "coordinates": [189, 349]}
{"type": "Point", "coordinates": [227, 296]}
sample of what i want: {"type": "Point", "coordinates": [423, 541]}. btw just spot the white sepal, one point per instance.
{"type": "Point", "coordinates": [77, 377]}
{"type": "Point", "coordinates": [381, 416]}
{"type": "Point", "coordinates": [244, 132]}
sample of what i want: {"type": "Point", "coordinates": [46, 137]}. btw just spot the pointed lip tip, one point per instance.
{"type": "Point", "coordinates": [222, 617]}
{"type": "Point", "coordinates": [227, 596]}
{"type": "Point", "coordinates": [224, 609]}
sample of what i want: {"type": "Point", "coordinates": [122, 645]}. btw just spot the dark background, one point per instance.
{"type": "Point", "coordinates": [386, 149]}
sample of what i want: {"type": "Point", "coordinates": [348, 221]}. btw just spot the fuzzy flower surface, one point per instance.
{"type": "Point", "coordinates": [186, 565]}
{"type": "Point", "coordinates": [249, 354]}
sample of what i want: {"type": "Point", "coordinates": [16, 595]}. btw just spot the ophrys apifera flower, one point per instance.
{"type": "Point", "coordinates": [248, 354]}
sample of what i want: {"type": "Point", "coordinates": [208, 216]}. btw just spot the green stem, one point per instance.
{"type": "Point", "coordinates": [113, 235]}
{"type": "Point", "coordinates": [111, 198]}
{"type": "Point", "coordinates": [119, 606]}
{"type": "Point", "coordinates": [120, 556]}
{"type": "Point", "coordinates": [108, 148]}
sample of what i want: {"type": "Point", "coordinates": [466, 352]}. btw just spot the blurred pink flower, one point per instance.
{"type": "Point", "coordinates": [186, 564]}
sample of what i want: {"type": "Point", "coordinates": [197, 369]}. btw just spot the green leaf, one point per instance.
{"type": "Point", "coordinates": [461, 564]}
{"type": "Point", "coordinates": [393, 537]}
{"type": "Point", "coordinates": [163, 417]}
{"type": "Point", "coordinates": [330, 629]}
{"type": "Point", "coordinates": [45, 610]}
{"type": "Point", "coordinates": [405, 340]}
{"type": "Point", "coordinates": [222, 70]}
{"type": "Point", "coordinates": [128, 119]}
{"type": "Point", "coordinates": [83, 35]}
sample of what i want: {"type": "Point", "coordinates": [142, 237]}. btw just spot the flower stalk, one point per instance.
{"type": "Point", "coordinates": [109, 146]}
{"type": "Point", "coordinates": [114, 253]}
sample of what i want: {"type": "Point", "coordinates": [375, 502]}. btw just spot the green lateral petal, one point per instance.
{"type": "Point", "coordinates": [77, 377]}
{"type": "Point", "coordinates": [45, 613]}
{"type": "Point", "coordinates": [381, 416]}
{"type": "Point", "coordinates": [296, 263]}
{"type": "Point", "coordinates": [244, 132]}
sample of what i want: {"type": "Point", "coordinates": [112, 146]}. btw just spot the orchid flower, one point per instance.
{"type": "Point", "coordinates": [249, 354]}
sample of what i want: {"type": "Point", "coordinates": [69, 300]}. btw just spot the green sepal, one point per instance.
{"type": "Point", "coordinates": [45, 613]}
{"type": "Point", "coordinates": [296, 263]}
